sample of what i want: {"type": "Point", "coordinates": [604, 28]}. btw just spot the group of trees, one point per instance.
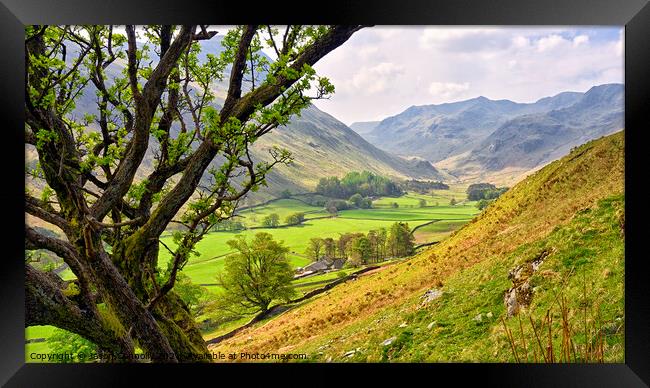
{"type": "Point", "coordinates": [356, 201]}
{"type": "Point", "coordinates": [273, 220]}
{"type": "Point", "coordinates": [295, 218]}
{"type": "Point", "coordinates": [487, 191]}
{"type": "Point", "coordinates": [360, 248]}
{"type": "Point", "coordinates": [229, 225]}
{"type": "Point", "coordinates": [361, 202]}
{"type": "Point", "coordinates": [363, 183]}
{"type": "Point", "coordinates": [484, 193]}
{"type": "Point", "coordinates": [422, 187]}
{"type": "Point", "coordinates": [158, 96]}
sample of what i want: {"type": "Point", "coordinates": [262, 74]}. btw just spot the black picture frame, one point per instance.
{"type": "Point", "coordinates": [633, 14]}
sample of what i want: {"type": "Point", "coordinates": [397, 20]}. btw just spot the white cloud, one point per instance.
{"type": "Point", "coordinates": [580, 39]}
{"type": "Point", "coordinates": [550, 42]}
{"type": "Point", "coordinates": [376, 79]}
{"type": "Point", "coordinates": [448, 90]}
{"type": "Point", "coordinates": [368, 52]}
{"type": "Point", "coordinates": [387, 33]}
{"type": "Point", "coordinates": [619, 44]}
{"type": "Point", "coordinates": [463, 38]}
{"type": "Point", "coordinates": [381, 71]}
{"type": "Point", "coordinates": [520, 41]}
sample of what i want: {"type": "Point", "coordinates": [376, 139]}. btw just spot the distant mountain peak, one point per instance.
{"type": "Point", "coordinates": [496, 134]}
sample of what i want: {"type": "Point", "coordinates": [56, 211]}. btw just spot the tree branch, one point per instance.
{"type": "Point", "coordinates": [33, 207]}
{"type": "Point", "coordinates": [242, 110]}
{"type": "Point", "coordinates": [145, 109]}
{"type": "Point", "coordinates": [238, 66]}
{"type": "Point", "coordinates": [63, 249]}
{"type": "Point", "coordinates": [268, 92]}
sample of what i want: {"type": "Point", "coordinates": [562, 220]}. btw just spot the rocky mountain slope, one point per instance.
{"type": "Point", "coordinates": [479, 138]}
{"type": "Point", "coordinates": [532, 140]}
{"type": "Point", "coordinates": [323, 146]}
{"type": "Point", "coordinates": [363, 128]}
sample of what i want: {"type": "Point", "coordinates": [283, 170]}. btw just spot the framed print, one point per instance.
{"type": "Point", "coordinates": [387, 190]}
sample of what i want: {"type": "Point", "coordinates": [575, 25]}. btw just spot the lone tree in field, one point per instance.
{"type": "Point", "coordinates": [256, 275]}
{"type": "Point", "coordinates": [271, 221]}
{"type": "Point", "coordinates": [148, 144]}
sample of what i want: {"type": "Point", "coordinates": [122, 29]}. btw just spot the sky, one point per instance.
{"type": "Point", "coordinates": [381, 71]}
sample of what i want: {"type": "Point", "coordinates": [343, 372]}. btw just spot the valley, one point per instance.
{"type": "Point", "coordinates": [203, 269]}
{"type": "Point", "coordinates": [570, 209]}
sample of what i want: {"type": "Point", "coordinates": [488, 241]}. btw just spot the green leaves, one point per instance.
{"type": "Point", "coordinates": [46, 194]}
{"type": "Point", "coordinates": [258, 275]}
{"type": "Point", "coordinates": [44, 136]}
{"type": "Point", "coordinates": [77, 348]}
{"type": "Point", "coordinates": [135, 193]}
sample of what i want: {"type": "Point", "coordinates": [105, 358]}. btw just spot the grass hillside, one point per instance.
{"type": "Point", "coordinates": [569, 216]}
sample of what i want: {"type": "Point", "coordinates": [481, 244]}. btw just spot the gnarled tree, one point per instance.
{"type": "Point", "coordinates": [152, 93]}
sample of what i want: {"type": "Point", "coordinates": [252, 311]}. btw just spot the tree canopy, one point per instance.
{"type": "Point", "coordinates": [365, 183]}
{"type": "Point", "coordinates": [422, 187]}
{"type": "Point", "coordinates": [130, 136]}
{"type": "Point", "coordinates": [258, 274]}
{"type": "Point", "coordinates": [487, 191]}
{"type": "Point", "coordinates": [271, 221]}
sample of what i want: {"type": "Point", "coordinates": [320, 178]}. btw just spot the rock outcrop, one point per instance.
{"type": "Point", "coordinates": [521, 293]}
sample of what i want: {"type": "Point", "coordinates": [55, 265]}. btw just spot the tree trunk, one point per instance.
{"type": "Point", "coordinates": [137, 262]}
{"type": "Point", "coordinates": [131, 311]}
{"type": "Point", "coordinates": [46, 304]}
{"type": "Point", "coordinates": [179, 327]}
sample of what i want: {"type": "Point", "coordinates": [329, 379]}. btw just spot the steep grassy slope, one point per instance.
{"type": "Point", "coordinates": [570, 213]}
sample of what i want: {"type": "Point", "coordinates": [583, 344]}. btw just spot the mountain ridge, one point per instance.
{"type": "Point", "coordinates": [442, 133]}
{"type": "Point", "coordinates": [532, 140]}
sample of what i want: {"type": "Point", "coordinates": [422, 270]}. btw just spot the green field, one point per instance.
{"type": "Point", "coordinates": [282, 207]}
{"type": "Point", "coordinates": [35, 332]}
{"type": "Point", "coordinates": [213, 249]}
{"type": "Point", "coordinates": [437, 230]}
